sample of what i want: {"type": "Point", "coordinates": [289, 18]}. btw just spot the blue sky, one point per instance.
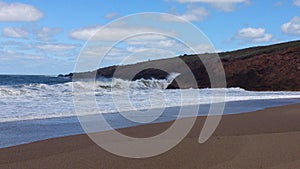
{"type": "Point", "coordinates": [46, 37]}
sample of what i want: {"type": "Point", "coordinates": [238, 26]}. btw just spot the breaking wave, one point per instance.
{"type": "Point", "coordinates": [41, 101]}
{"type": "Point", "coordinates": [99, 84]}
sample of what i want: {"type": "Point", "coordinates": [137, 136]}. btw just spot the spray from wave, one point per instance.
{"type": "Point", "coordinates": [100, 84]}
{"type": "Point", "coordinates": [41, 101]}
{"type": "Point", "coordinates": [138, 84]}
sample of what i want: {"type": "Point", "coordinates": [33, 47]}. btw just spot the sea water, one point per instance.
{"type": "Point", "coordinates": [39, 107]}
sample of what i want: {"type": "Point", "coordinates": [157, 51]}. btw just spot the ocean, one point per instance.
{"type": "Point", "coordinates": [40, 107]}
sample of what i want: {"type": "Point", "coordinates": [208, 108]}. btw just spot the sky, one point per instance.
{"type": "Point", "coordinates": [48, 37]}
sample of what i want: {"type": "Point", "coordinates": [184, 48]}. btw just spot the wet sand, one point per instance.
{"type": "Point", "coordinates": [265, 139]}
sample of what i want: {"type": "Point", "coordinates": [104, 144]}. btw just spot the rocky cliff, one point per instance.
{"type": "Point", "coordinates": [272, 68]}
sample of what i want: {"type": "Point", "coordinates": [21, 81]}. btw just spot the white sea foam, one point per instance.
{"type": "Point", "coordinates": [40, 101]}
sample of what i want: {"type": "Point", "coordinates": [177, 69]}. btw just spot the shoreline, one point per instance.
{"type": "Point", "coordinates": [28, 131]}
{"type": "Point", "coordinates": [266, 138]}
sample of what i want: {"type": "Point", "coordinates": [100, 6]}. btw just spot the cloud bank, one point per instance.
{"type": "Point", "coordinates": [19, 12]}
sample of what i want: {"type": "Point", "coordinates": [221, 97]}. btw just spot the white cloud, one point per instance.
{"type": "Point", "coordinates": [254, 35]}
{"type": "Point", "coordinates": [150, 42]}
{"type": "Point", "coordinates": [227, 7]}
{"type": "Point", "coordinates": [14, 12]}
{"type": "Point", "coordinates": [57, 50]}
{"type": "Point", "coordinates": [112, 33]}
{"type": "Point", "coordinates": [46, 33]}
{"type": "Point", "coordinates": [111, 15]}
{"type": "Point", "coordinates": [292, 27]}
{"type": "Point", "coordinates": [192, 14]}
{"type": "Point", "coordinates": [211, 1]}
{"type": "Point", "coordinates": [15, 55]}
{"type": "Point", "coordinates": [143, 54]}
{"type": "Point", "coordinates": [27, 62]}
{"type": "Point", "coordinates": [33, 49]}
{"type": "Point", "coordinates": [95, 51]}
{"type": "Point", "coordinates": [16, 45]}
{"type": "Point", "coordinates": [104, 55]}
{"type": "Point", "coordinates": [297, 2]}
{"type": "Point", "coordinates": [56, 47]}
{"type": "Point", "coordinates": [137, 49]}
{"type": "Point", "coordinates": [153, 41]}
{"type": "Point", "coordinates": [84, 33]}
{"type": "Point", "coordinates": [224, 5]}
{"type": "Point", "coordinates": [202, 48]}
{"type": "Point", "coordinates": [14, 32]}
{"type": "Point", "coordinates": [137, 44]}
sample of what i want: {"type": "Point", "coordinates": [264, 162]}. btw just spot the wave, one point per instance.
{"type": "Point", "coordinates": [99, 84]}
{"type": "Point", "coordinates": [48, 102]}
{"type": "Point", "coordinates": [41, 101]}
{"type": "Point", "coordinates": [138, 84]}
{"type": "Point", "coordinates": [33, 89]}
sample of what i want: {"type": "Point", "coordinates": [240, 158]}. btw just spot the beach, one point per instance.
{"type": "Point", "coordinates": [166, 84]}
{"type": "Point", "coordinates": [264, 139]}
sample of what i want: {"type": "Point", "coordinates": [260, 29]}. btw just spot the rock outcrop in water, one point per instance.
{"type": "Point", "coordinates": [271, 68]}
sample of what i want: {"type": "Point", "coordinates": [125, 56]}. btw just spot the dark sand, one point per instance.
{"type": "Point", "coordinates": [266, 139]}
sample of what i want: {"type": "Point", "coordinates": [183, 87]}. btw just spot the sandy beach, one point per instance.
{"type": "Point", "coordinates": [265, 139]}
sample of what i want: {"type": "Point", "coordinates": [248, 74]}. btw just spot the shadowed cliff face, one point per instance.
{"type": "Point", "coordinates": [272, 68]}
{"type": "Point", "coordinates": [276, 70]}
